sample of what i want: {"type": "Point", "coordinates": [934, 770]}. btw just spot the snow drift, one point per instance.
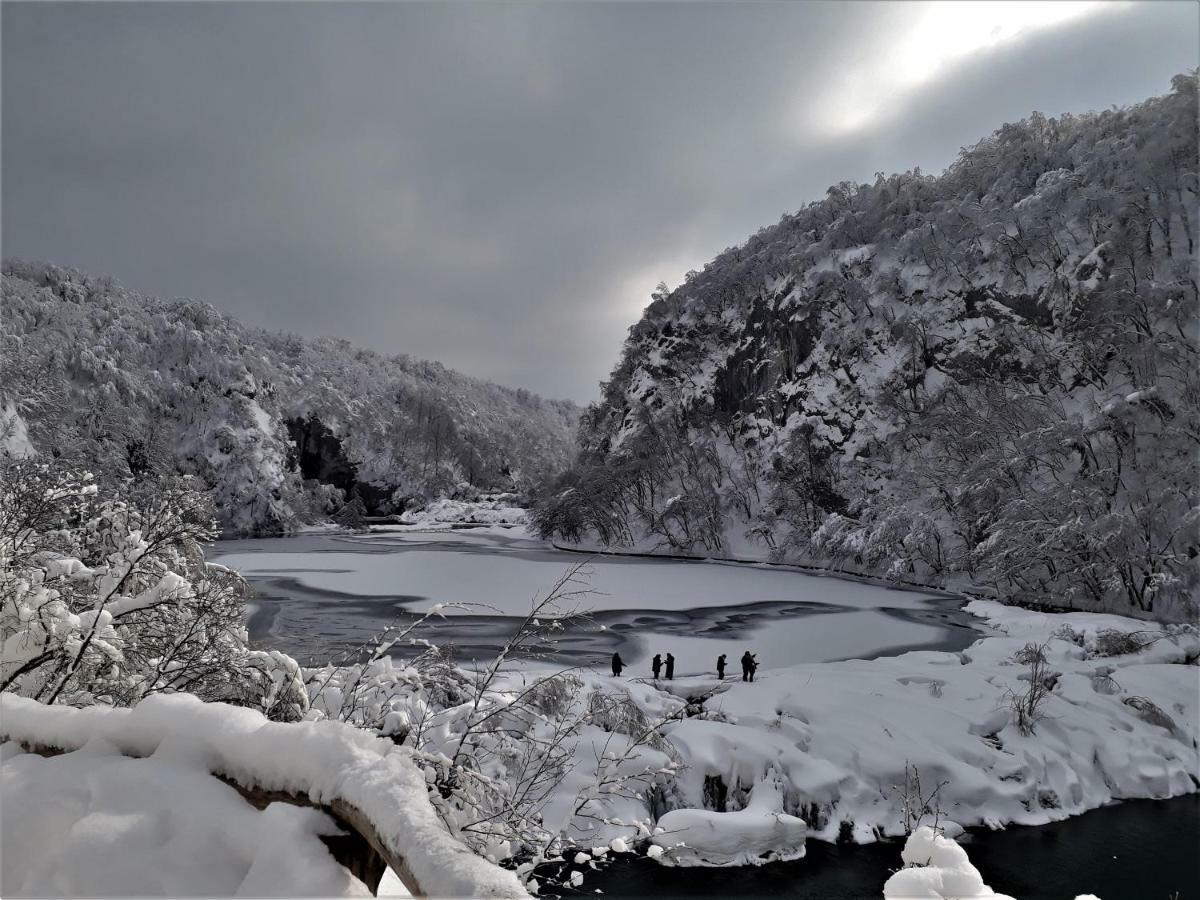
{"type": "Point", "coordinates": [838, 744]}
{"type": "Point", "coordinates": [325, 761]}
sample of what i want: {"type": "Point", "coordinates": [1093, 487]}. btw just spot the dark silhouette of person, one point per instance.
{"type": "Point", "coordinates": [656, 665]}
{"type": "Point", "coordinates": [670, 667]}
{"type": "Point", "coordinates": [721, 666]}
{"type": "Point", "coordinates": [748, 666]}
{"type": "Point", "coordinates": [617, 664]}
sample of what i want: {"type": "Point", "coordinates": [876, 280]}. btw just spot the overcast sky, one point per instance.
{"type": "Point", "coordinates": [500, 187]}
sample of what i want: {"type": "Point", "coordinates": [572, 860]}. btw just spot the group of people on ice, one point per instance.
{"type": "Point", "coordinates": [749, 666]}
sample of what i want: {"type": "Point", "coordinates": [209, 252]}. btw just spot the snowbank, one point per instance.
{"type": "Point", "coordinates": [845, 738]}
{"type": "Point", "coordinates": [496, 510]}
{"type": "Point", "coordinates": [96, 823]}
{"type": "Point", "coordinates": [325, 761]}
{"type": "Point", "coordinates": [751, 836]}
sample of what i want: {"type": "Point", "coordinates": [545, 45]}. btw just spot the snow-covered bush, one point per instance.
{"type": "Point", "coordinates": [109, 601]}
{"type": "Point", "coordinates": [521, 760]}
{"type": "Point", "coordinates": [1027, 705]}
{"type": "Point", "coordinates": [1112, 642]}
{"type": "Point", "coordinates": [915, 803]}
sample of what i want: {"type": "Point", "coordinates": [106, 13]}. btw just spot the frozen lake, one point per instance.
{"type": "Point", "coordinates": [318, 595]}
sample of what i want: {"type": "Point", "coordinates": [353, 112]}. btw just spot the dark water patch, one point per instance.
{"type": "Point", "coordinates": [321, 623]}
{"type": "Point", "coordinates": [1136, 850]}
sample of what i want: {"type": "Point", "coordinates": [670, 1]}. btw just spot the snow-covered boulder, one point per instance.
{"type": "Point", "coordinates": [936, 868]}
{"type": "Point", "coordinates": [757, 834]}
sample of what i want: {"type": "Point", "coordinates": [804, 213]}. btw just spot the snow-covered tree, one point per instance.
{"type": "Point", "coordinates": [283, 430]}
{"type": "Point", "coordinates": [109, 601]}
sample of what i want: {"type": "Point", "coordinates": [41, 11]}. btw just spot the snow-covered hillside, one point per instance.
{"type": "Point", "coordinates": [284, 430]}
{"type": "Point", "coordinates": [991, 375]}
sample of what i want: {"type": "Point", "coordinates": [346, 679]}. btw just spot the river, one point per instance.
{"type": "Point", "coordinates": [1136, 850]}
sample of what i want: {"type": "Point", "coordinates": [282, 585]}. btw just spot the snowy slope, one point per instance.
{"type": "Point", "coordinates": [841, 745]}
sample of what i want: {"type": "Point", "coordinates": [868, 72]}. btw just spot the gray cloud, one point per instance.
{"type": "Point", "coordinates": [496, 187]}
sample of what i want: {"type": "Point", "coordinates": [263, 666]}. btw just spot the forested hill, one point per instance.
{"type": "Point", "coordinates": [989, 375]}
{"type": "Point", "coordinates": [284, 430]}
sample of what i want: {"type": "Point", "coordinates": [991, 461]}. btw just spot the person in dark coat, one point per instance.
{"type": "Point", "coordinates": [670, 667]}
{"type": "Point", "coordinates": [618, 664]}
{"type": "Point", "coordinates": [656, 665]}
{"type": "Point", "coordinates": [721, 666]}
{"type": "Point", "coordinates": [748, 666]}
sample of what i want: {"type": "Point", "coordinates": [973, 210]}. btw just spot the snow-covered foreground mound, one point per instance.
{"type": "Point", "coordinates": [96, 823]}
{"type": "Point", "coordinates": [853, 747]}
{"type": "Point", "coordinates": [185, 740]}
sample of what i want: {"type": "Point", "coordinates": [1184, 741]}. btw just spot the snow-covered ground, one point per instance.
{"type": "Point", "coordinates": [346, 587]}
{"type": "Point", "coordinates": [830, 742]}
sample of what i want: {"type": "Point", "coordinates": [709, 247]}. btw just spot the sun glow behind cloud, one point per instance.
{"type": "Point", "coordinates": [940, 34]}
{"type": "Point", "coordinates": [632, 293]}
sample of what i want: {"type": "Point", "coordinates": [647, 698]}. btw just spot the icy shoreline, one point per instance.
{"type": "Point", "coordinates": [833, 743]}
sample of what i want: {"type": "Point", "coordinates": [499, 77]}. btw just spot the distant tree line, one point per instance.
{"type": "Point", "coordinates": [282, 430]}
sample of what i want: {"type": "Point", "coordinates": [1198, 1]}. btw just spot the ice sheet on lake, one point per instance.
{"type": "Point", "coordinates": [318, 592]}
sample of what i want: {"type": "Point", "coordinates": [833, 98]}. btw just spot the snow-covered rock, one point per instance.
{"type": "Point", "coordinates": [755, 835]}
{"type": "Point", "coordinates": [936, 868]}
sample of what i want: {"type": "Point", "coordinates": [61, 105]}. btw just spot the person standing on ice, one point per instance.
{"type": "Point", "coordinates": [656, 665]}
{"type": "Point", "coordinates": [617, 664]}
{"type": "Point", "coordinates": [721, 666]}
{"type": "Point", "coordinates": [749, 664]}
{"type": "Point", "coordinates": [670, 667]}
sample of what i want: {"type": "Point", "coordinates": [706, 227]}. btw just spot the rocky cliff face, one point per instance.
{"type": "Point", "coordinates": [986, 375]}
{"type": "Point", "coordinates": [283, 430]}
